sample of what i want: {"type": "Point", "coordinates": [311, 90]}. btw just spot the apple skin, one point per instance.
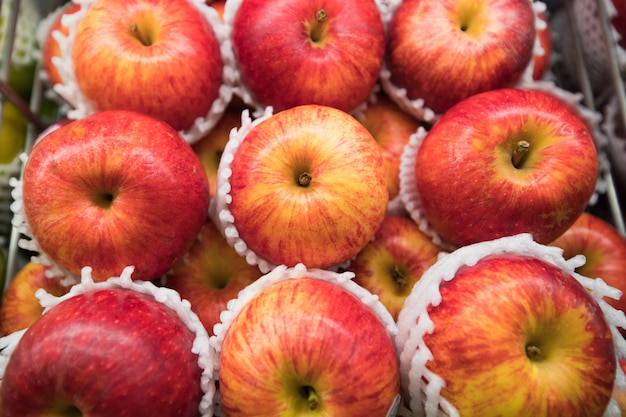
{"type": "Point", "coordinates": [512, 318]}
{"type": "Point", "coordinates": [286, 59]}
{"type": "Point", "coordinates": [169, 68]}
{"type": "Point", "coordinates": [19, 308]}
{"type": "Point", "coordinates": [391, 127]}
{"type": "Point", "coordinates": [108, 352]}
{"type": "Point", "coordinates": [301, 336]}
{"type": "Point", "coordinates": [469, 186]}
{"type": "Point", "coordinates": [210, 147]}
{"type": "Point", "coordinates": [443, 51]}
{"type": "Point", "coordinates": [604, 249]}
{"type": "Point", "coordinates": [51, 47]}
{"type": "Point", "coordinates": [113, 189]}
{"type": "Point", "coordinates": [542, 62]}
{"type": "Point", "coordinates": [390, 264]}
{"type": "Point", "coordinates": [322, 222]}
{"type": "Point", "coordinates": [12, 133]}
{"type": "Point", "coordinates": [210, 275]}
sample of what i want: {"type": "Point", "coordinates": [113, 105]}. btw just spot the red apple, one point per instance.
{"type": "Point", "coordinates": [19, 307]}
{"type": "Point", "coordinates": [210, 275]}
{"type": "Point", "coordinates": [604, 249]}
{"type": "Point", "coordinates": [210, 147]}
{"type": "Point", "coordinates": [308, 344]}
{"type": "Point", "coordinates": [391, 127]}
{"type": "Point", "coordinates": [506, 327]}
{"type": "Point", "coordinates": [544, 36]}
{"type": "Point", "coordinates": [115, 188]}
{"type": "Point", "coordinates": [440, 52]}
{"type": "Point", "coordinates": [305, 185]}
{"type": "Point", "coordinates": [159, 57]}
{"type": "Point", "coordinates": [118, 349]}
{"type": "Point", "coordinates": [390, 264]}
{"type": "Point", "coordinates": [296, 52]}
{"type": "Point", "coordinates": [500, 163]}
{"type": "Point", "coordinates": [618, 20]}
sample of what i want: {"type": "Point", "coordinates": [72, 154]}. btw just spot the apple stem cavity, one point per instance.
{"type": "Point", "coordinates": [141, 36]}
{"type": "Point", "coordinates": [304, 179]}
{"type": "Point", "coordinates": [398, 278]}
{"type": "Point", "coordinates": [318, 28]}
{"type": "Point", "coordinates": [520, 151]}
{"type": "Point", "coordinates": [308, 392]}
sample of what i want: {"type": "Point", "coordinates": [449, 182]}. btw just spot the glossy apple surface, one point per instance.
{"type": "Point", "coordinates": [210, 275]}
{"type": "Point", "coordinates": [542, 62]}
{"type": "Point", "coordinates": [305, 346]}
{"type": "Point", "coordinates": [604, 249]}
{"type": "Point", "coordinates": [517, 335]}
{"type": "Point", "coordinates": [113, 189]}
{"type": "Point", "coordinates": [308, 186]}
{"type": "Point", "coordinates": [391, 127]}
{"type": "Point", "coordinates": [19, 308]}
{"type": "Point", "coordinates": [108, 352]}
{"type": "Point", "coordinates": [394, 261]}
{"type": "Point", "coordinates": [505, 162]}
{"type": "Point", "coordinates": [161, 58]}
{"type": "Point", "coordinates": [294, 52]}
{"type": "Point", "coordinates": [443, 51]}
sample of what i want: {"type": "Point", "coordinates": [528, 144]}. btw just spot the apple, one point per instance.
{"type": "Point", "coordinates": [305, 185]}
{"type": "Point", "coordinates": [115, 348]}
{"type": "Point", "coordinates": [112, 189]}
{"type": "Point", "coordinates": [618, 20]}
{"type": "Point", "coordinates": [391, 127]}
{"type": "Point", "coordinates": [440, 52]}
{"type": "Point", "coordinates": [507, 327]}
{"type": "Point", "coordinates": [306, 342]}
{"type": "Point", "coordinates": [161, 58]}
{"type": "Point", "coordinates": [19, 307]}
{"type": "Point", "coordinates": [604, 249]}
{"type": "Point", "coordinates": [499, 163]}
{"type": "Point", "coordinates": [394, 260]}
{"type": "Point", "coordinates": [210, 147]}
{"type": "Point", "coordinates": [294, 52]}
{"type": "Point", "coordinates": [50, 46]}
{"type": "Point", "coordinates": [620, 393]}
{"type": "Point", "coordinates": [210, 275]}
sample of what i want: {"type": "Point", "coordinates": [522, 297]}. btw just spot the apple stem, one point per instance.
{"type": "Point", "coordinates": [139, 35]}
{"type": "Point", "coordinates": [311, 397]}
{"type": "Point", "coordinates": [534, 353]}
{"type": "Point", "coordinates": [520, 151]}
{"type": "Point", "coordinates": [304, 179]}
{"type": "Point", "coordinates": [318, 28]}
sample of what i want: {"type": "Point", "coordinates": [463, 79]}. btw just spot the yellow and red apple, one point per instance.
{"type": "Point", "coordinates": [305, 185]}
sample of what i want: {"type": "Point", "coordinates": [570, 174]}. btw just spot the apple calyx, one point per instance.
{"type": "Point", "coordinates": [534, 353]}
{"type": "Point", "coordinates": [308, 393]}
{"type": "Point", "coordinates": [145, 37]}
{"type": "Point", "coordinates": [520, 151]}
{"type": "Point", "coordinates": [318, 28]}
{"type": "Point", "coordinates": [399, 278]}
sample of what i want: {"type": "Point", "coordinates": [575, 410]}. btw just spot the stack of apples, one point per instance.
{"type": "Point", "coordinates": [339, 207]}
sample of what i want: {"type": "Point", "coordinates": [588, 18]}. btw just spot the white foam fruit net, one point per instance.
{"type": "Point", "coordinates": [282, 273]}
{"type": "Point", "coordinates": [81, 106]}
{"type": "Point", "coordinates": [416, 106]}
{"type": "Point", "coordinates": [169, 297]}
{"type": "Point", "coordinates": [422, 387]}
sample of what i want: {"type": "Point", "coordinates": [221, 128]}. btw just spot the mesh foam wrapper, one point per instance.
{"type": "Point", "coordinates": [408, 188]}
{"type": "Point", "coordinates": [283, 273]}
{"type": "Point", "coordinates": [169, 297]}
{"type": "Point", "coordinates": [81, 105]}
{"type": "Point", "coordinates": [7, 171]}
{"type": "Point", "coordinates": [239, 87]}
{"type": "Point", "coordinates": [416, 106]}
{"type": "Point", "coordinates": [422, 387]}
